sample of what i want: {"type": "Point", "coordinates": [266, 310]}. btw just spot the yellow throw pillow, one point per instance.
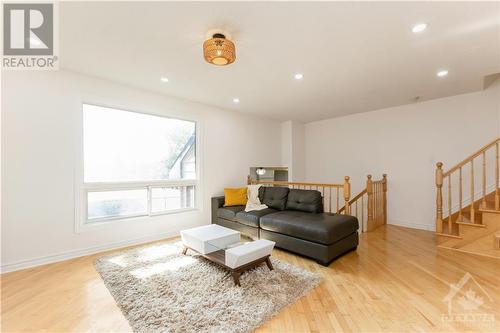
{"type": "Point", "coordinates": [235, 196]}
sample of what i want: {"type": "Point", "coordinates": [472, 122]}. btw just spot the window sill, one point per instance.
{"type": "Point", "coordinates": [96, 224]}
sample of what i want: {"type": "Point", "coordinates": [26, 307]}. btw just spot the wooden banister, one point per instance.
{"type": "Point", "coordinates": [271, 182]}
{"type": "Point", "coordinates": [354, 199]}
{"type": "Point", "coordinates": [439, 197]}
{"type": "Point", "coordinates": [330, 192]}
{"type": "Point", "coordinates": [456, 214]}
{"type": "Point", "coordinates": [372, 199]}
{"type": "Point", "coordinates": [384, 191]}
{"type": "Point", "coordinates": [369, 192]}
{"type": "Point", "coordinates": [347, 195]}
{"type": "Point", "coordinates": [471, 157]}
{"type": "Point", "coordinates": [497, 168]}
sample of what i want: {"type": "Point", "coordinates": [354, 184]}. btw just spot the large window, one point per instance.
{"type": "Point", "coordinates": [136, 164]}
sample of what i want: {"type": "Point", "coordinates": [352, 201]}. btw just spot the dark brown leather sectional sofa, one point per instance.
{"type": "Point", "coordinates": [295, 221]}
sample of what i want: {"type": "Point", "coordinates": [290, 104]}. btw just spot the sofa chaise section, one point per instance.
{"type": "Point", "coordinates": [322, 236]}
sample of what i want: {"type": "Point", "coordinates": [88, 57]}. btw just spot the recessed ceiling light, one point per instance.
{"type": "Point", "coordinates": [442, 73]}
{"type": "Point", "coordinates": [164, 79]}
{"type": "Point", "coordinates": [298, 76]}
{"type": "Point", "coordinates": [236, 100]}
{"type": "Point", "coordinates": [419, 27]}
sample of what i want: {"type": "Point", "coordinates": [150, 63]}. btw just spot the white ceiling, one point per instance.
{"type": "Point", "coordinates": [355, 56]}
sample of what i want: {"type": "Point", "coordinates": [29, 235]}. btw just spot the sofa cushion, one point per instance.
{"type": "Point", "coordinates": [229, 213]}
{"type": "Point", "coordinates": [275, 197]}
{"type": "Point", "coordinates": [262, 189]}
{"type": "Point", "coordinates": [324, 228]}
{"type": "Point", "coordinates": [252, 218]}
{"type": "Point", "coordinates": [305, 201]}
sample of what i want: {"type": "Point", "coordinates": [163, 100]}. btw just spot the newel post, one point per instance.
{"type": "Point", "coordinates": [439, 197]}
{"type": "Point", "coordinates": [384, 189]}
{"type": "Point", "coordinates": [369, 192]}
{"type": "Point", "coordinates": [347, 195]}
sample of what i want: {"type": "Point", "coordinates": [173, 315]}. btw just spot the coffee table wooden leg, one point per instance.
{"type": "Point", "coordinates": [236, 278]}
{"type": "Point", "coordinates": [269, 264]}
{"type": "Point", "coordinates": [184, 250]}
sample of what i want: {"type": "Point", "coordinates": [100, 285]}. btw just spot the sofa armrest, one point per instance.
{"type": "Point", "coordinates": [217, 202]}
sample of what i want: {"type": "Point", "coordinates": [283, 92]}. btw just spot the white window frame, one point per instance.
{"type": "Point", "coordinates": [82, 223]}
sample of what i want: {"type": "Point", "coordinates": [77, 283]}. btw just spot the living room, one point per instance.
{"type": "Point", "coordinates": [341, 157]}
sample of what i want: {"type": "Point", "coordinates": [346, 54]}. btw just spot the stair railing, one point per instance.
{"type": "Point", "coordinates": [444, 225]}
{"type": "Point", "coordinates": [333, 194]}
{"type": "Point", "coordinates": [370, 205]}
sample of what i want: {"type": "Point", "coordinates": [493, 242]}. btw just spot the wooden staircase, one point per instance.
{"type": "Point", "coordinates": [471, 226]}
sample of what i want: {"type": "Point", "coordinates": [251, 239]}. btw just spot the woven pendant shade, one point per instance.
{"type": "Point", "coordinates": [219, 51]}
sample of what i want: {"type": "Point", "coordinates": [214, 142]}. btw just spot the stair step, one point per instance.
{"type": "Point", "coordinates": [471, 224]}
{"type": "Point", "coordinates": [478, 217]}
{"type": "Point", "coordinates": [488, 210]}
{"type": "Point", "coordinates": [484, 246]}
{"type": "Point", "coordinates": [448, 235]}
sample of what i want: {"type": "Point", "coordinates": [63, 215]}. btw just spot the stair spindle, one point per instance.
{"type": "Point", "coordinates": [369, 191]}
{"type": "Point", "coordinates": [338, 199]}
{"type": "Point", "coordinates": [497, 171]}
{"type": "Point", "coordinates": [483, 203]}
{"type": "Point", "coordinates": [449, 205]}
{"type": "Point", "coordinates": [472, 212]}
{"type": "Point", "coordinates": [363, 227]}
{"type": "Point", "coordinates": [330, 200]}
{"type": "Point", "coordinates": [460, 218]}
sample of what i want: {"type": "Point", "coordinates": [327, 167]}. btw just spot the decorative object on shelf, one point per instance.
{"type": "Point", "coordinates": [219, 50]}
{"type": "Point", "coordinates": [261, 171]}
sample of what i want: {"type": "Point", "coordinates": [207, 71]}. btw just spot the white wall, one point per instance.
{"type": "Point", "coordinates": [286, 147]}
{"type": "Point", "coordinates": [293, 149]}
{"type": "Point", "coordinates": [298, 151]}
{"type": "Point", "coordinates": [405, 142]}
{"type": "Point", "coordinates": [40, 112]}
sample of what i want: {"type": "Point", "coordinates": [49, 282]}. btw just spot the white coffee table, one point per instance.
{"type": "Point", "coordinates": [222, 246]}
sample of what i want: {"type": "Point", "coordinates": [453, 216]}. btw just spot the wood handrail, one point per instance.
{"type": "Point", "coordinates": [353, 200]}
{"type": "Point", "coordinates": [471, 157]}
{"type": "Point", "coordinates": [270, 182]}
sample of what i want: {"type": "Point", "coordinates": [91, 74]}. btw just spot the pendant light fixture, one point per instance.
{"type": "Point", "coordinates": [219, 50]}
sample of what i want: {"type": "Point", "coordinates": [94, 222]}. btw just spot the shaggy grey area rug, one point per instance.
{"type": "Point", "coordinates": [160, 290]}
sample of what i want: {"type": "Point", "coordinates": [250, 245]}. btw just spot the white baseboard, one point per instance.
{"type": "Point", "coordinates": [4, 268]}
{"type": "Point", "coordinates": [412, 225]}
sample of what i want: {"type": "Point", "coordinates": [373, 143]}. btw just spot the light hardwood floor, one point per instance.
{"type": "Point", "coordinates": [394, 282]}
